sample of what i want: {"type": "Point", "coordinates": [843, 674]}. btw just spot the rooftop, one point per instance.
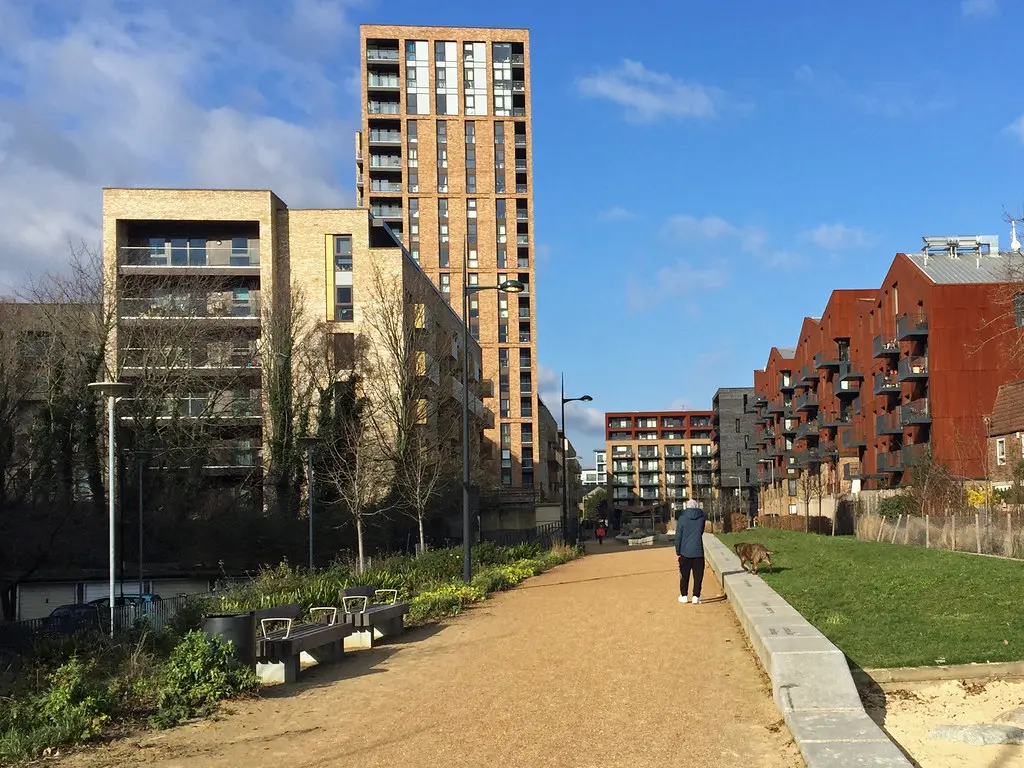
{"type": "Point", "coordinates": [1008, 411]}
{"type": "Point", "coordinates": [946, 270]}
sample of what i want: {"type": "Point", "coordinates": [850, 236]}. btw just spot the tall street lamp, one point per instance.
{"type": "Point", "coordinates": [565, 461]}
{"type": "Point", "coordinates": [508, 286]}
{"type": "Point", "coordinates": [309, 442]}
{"type": "Point", "coordinates": [111, 390]}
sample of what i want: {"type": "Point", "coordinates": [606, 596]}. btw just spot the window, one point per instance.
{"type": "Point", "coordinates": [343, 307]}
{"type": "Point", "coordinates": [746, 442]}
{"type": "Point", "coordinates": [503, 358]}
{"type": "Point", "coordinates": [738, 429]}
{"type": "Point", "coordinates": [1001, 451]}
{"type": "Point", "coordinates": [526, 434]}
{"type": "Point", "coordinates": [526, 407]}
{"type": "Point", "coordinates": [506, 467]}
{"type": "Point", "coordinates": [746, 473]}
{"type": "Point", "coordinates": [343, 253]}
{"type": "Point", "coordinates": [505, 408]}
{"type": "Point", "coordinates": [1018, 310]}
{"type": "Point", "coordinates": [739, 459]}
{"type": "Point", "coordinates": [525, 382]}
{"type": "Point", "coordinates": [527, 456]}
{"type": "Point", "coordinates": [792, 507]}
{"type": "Point", "coordinates": [791, 488]}
{"type": "Point", "coordinates": [504, 383]}
{"type": "Point", "coordinates": [506, 434]}
{"type": "Point", "coordinates": [524, 357]}
{"type": "Point", "coordinates": [446, 287]}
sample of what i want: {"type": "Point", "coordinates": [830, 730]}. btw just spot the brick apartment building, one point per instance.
{"type": "Point", "coordinates": [202, 280]}
{"type": "Point", "coordinates": [659, 458]}
{"type": "Point", "coordinates": [886, 375]}
{"type": "Point", "coordinates": [444, 156]}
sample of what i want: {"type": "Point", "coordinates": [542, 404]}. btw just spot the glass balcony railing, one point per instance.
{"type": "Point", "coordinates": [382, 54]}
{"type": "Point", "coordinates": [191, 305]}
{"type": "Point", "coordinates": [210, 255]}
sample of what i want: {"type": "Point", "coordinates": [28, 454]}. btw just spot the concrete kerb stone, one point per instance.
{"type": "Point", "coordinates": [811, 680]}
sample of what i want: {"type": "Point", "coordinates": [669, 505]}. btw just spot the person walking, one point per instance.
{"type": "Point", "coordinates": [600, 532]}
{"type": "Point", "coordinates": [690, 549]}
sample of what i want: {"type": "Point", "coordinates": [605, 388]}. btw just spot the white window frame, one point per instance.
{"type": "Point", "coordinates": [1001, 451]}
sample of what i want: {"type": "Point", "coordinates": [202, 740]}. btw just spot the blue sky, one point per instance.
{"type": "Point", "coordinates": [705, 172]}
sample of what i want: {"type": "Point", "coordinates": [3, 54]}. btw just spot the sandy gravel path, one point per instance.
{"type": "Point", "coordinates": [592, 664]}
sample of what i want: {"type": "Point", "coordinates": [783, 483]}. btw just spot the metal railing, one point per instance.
{"type": "Point", "coordinates": [170, 256]}
{"type": "Point", "coordinates": [544, 535]}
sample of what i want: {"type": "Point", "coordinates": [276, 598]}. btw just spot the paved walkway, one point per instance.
{"type": "Point", "coordinates": [592, 664]}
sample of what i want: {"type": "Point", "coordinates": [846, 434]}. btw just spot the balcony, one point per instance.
{"type": "Point", "coordinates": [912, 369]}
{"type": "Point", "coordinates": [916, 413]}
{"type": "Point", "coordinates": [851, 439]}
{"type": "Point", "coordinates": [522, 214]}
{"type": "Point", "coordinates": [518, 58]}
{"type": "Point", "coordinates": [383, 107]}
{"type": "Point", "coordinates": [847, 372]}
{"type": "Point", "coordinates": [806, 402]}
{"type": "Point", "coordinates": [808, 458]}
{"type": "Point", "coordinates": [912, 327]}
{"type": "Point", "coordinates": [381, 185]}
{"type": "Point", "coordinates": [520, 140]}
{"type": "Point", "coordinates": [192, 306]}
{"type": "Point", "coordinates": [854, 471]}
{"type": "Point", "coordinates": [622, 481]}
{"type": "Point", "coordinates": [808, 429]}
{"type": "Point", "coordinates": [825, 360]}
{"type": "Point", "coordinates": [387, 162]}
{"type": "Point", "coordinates": [518, 111]}
{"type": "Point", "coordinates": [385, 138]}
{"type": "Point", "coordinates": [886, 384]}
{"type": "Point", "coordinates": [768, 434]}
{"type": "Point", "coordinates": [210, 258]}
{"type": "Point", "coordinates": [847, 388]}
{"type": "Point", "coordinates": [382, 54]}
{"type": "Point", "coordinates": [776, 406]}
{"type": "Point", "coordinates": [786, 383]}
{"type": "Point", "coordinates": [808, 374]}
{"type": "Point", "coordinates": [915, 454]}
{"type": "Point", "coordinates": [387, 212]}
{"type": "Point", "coordinates": [888, 424]}
{"type": "Point", "coordinates": [834, 420]}
{"type": "Point", "coordinates": [520, 165]}
{"type": "Point", "coordinates": [790, 426]}
{"type": "Point", "coordinates": [382, 82]}
{"type": "Point", "coordinates": [649, 481]}
{"type": "Point", "coordinates": [885, 346]}
{"type": "Point", "coordinates": [198, 359]}
{"type": "Point", "coordinates": [889, 462]}
{"type": "Point", "coordinates": [622, 452]}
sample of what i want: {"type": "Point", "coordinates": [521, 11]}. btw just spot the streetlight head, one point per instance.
{"type": "Point", "coordinates": [111, 388]}
{"type": "Point", "coordinates": [511, 286]}
{"type": "Point", "coordinates": [586, 399]}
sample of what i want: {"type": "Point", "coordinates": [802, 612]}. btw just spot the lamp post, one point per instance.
{"type": "Point", "coordinates": [508, 286]}
{"type": "Point", "coordinates": [140, 463]}
{"type": "Point", "coordinates": [309, 442]}
{"type": "Point", "coordinates": [565, 462]}
{"type": "Point", "coordinates": [111, 390]}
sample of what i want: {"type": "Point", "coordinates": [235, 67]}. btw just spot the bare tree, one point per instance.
{"type": "Point", "coordinates": [808, 479]}
{"type": "Point", "coordinates": [410, 354]}
{"type": "Point", "coordinates": [354, 464]}
{"type": "Point", "coordinates": [1005, 327]}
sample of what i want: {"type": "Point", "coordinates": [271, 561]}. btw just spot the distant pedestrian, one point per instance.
{"type": "Point", "coordinates": [690, 549]}
{"type": "Point", "coordinates": [600, 532]}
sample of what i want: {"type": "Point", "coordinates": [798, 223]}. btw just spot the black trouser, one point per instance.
{"type": "Point", "coordinates": [686, 565]}
{"type": "Point", "coordinates": [600, 539]}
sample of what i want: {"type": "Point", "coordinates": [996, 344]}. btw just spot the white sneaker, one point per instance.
{"type": "Point", "coordinates": [696, 600]}
{"type": "Point", "coordinates": [682, 598]}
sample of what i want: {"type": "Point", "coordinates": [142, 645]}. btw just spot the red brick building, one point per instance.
{"type": "Point", "coordinates": [886, 372]}
{"type": "Point", "coordinates": [1006, 434]}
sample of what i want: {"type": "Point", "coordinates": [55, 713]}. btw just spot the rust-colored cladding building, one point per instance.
{"type": "Point", "coordinates": [887, 374]}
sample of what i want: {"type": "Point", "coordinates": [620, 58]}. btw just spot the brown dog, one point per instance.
{"type": "Point", "coordinates": [753, 554]}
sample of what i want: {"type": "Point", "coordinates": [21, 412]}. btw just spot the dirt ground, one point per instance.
{"type": "Point", "coordinates": [592, 664]}
{"type": "Point", "coordinates": [910, 711]}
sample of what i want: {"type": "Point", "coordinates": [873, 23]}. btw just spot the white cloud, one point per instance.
{"type": "Point", "coordinates": [890, 99]}
{"type": "Point", "coordinates": [783, 259]}
{"type": "Point", "coordinates": [677, 281]}
{"type": "Point", "coordinates": [119, 94]}
{"type": "Point", "coordinates": [1016, 128]}
{"type": "Point", "coordinates": [616, 213]}
{"type": "Point", "coordinates": [648, 95]}
{"type": "Point", "coordinates": [685, 227]}
{"type": "Point", "coordinates": [979, 8]}
{"type": "Point", "coordinates": [838, 237]}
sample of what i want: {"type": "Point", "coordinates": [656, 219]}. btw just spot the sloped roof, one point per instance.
{"type": "Point", "coordinates": [787, 352]}
{"type": "Point", "coordinates": [950, 271]}
{"type": "Point", "coordinates": [1008, 411]}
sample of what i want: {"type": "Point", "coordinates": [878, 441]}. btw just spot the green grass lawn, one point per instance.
{"type": "Point", "coordinates": [887, 605]}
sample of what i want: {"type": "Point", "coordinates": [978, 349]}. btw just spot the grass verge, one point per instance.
{"type": "Point", "coordinates": [888, 605]}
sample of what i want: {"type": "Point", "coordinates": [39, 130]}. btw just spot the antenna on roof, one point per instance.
{"type": "Point", "coordinates": [1014, 242]}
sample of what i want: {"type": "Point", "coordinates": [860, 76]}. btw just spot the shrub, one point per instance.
{"type": "Point", "coordinates": [894, 506]}
{"type": "Point", "coordinates": [199, 674]}
{"type": "Point", "coordinates": [444, 601]}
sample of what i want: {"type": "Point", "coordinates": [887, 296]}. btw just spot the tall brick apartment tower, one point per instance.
{"type": "Point", "coordinates": [444, 157]}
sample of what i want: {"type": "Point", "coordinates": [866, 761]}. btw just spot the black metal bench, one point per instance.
{"type": "Point", "coordinates": [281, 651]}
{"type": "Point", "coordinates": [374, 613]}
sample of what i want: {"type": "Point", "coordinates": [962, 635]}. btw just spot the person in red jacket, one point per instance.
{"type": "Point", "coordinates": [600, 532]}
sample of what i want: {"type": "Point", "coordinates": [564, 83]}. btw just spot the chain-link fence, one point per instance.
{"type": "Point", "coordinates": [983, 532]}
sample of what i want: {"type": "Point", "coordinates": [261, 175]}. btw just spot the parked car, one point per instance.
{"type": "Point", "coordinates": [128, 608]}
{"type": "Point", "coordinates": [72, 619]}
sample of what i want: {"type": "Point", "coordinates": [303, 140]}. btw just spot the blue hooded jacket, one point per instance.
{"type": "Point", "coordinates": [690, 531]}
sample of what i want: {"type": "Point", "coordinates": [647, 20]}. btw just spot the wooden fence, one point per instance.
{"type": "Point", "coordinates": [983, 533]}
